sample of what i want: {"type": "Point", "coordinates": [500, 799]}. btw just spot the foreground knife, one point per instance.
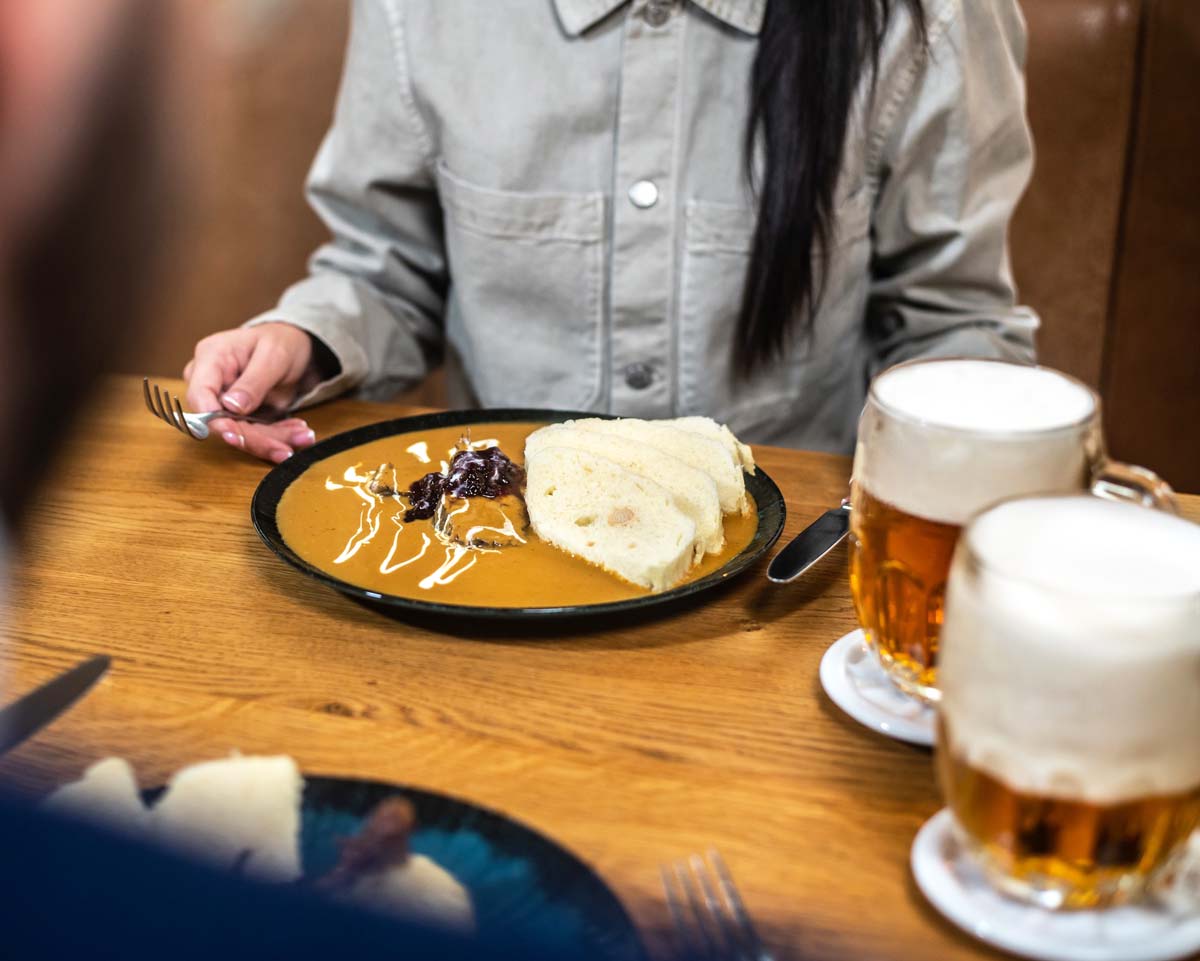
{"type": "Point", "coordinates": [38, 708]}
{"type": "Point", "coordinates": [810, 545]}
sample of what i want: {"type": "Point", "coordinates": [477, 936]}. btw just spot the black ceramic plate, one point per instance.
{"type": "Point", "coordinates": [771, 513]}
{"type": "Point", "coordinates": [524, 888]}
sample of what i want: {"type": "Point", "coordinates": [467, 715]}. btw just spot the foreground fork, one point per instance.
{"type": "Point", "coordinates": [167, 408]}
{"type": "Point", "coordinates": [710, 927]}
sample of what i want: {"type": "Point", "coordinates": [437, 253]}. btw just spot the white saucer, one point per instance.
{"type": "Point", "coordinates": [1162, 931]}
{"type": "Point", "coordinates": [855, 682]}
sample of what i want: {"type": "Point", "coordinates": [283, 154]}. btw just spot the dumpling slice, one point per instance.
{"type": "Point", "coordinates": [592, 507]}
{"type": "Point", "coordinates": [694, 491]}
{"type": "Point", "coordinates": [703, 453]}
{"type": "Point", "coordinates": [238, 813]}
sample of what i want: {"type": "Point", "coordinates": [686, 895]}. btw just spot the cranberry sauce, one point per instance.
{"type": "Point", "coordinates": [424, 496]}
{"type": "Point", "coordinates": [473, 473]}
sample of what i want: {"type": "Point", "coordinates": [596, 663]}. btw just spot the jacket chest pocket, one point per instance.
{"type": "Point", "coordinates": [526, 302]}
{"type": "Point", "coordinates": [716, 256]}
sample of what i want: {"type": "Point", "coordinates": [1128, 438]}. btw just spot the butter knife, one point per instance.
{"type": "Point", "coordinates": [27, 716]}
{"type": "Point", "coordinates": [810, 545]}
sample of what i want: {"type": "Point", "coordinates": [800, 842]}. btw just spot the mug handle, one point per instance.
{"type": "Point", "coordinates": [1117, 481]}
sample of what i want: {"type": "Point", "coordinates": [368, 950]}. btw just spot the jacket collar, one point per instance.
{"type": "Point", "coordinates": [744, 15]}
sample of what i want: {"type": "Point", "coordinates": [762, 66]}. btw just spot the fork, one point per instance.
{"type": "Point", "coordinates": [712, 928]}
{"type": "Point", "coordinates": [167, 408]}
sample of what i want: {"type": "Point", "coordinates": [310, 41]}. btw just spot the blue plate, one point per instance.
{"type": "Point", "coordinates": [521, 883]}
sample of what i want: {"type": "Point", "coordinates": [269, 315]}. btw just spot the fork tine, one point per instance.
{"type": "Point", "coordinates": [708, 942]}
{"type": "Point", "coordinates": [158, 406]}
{"type": "Point", "coordinates": [717, 927]}
{"type": "Point", "coordinates": [731, 935]}
{"type": "Point", "coordinates": [678, 915]}
{"type": "Point", "coordinates": [749, 936]}
{"type": "Point", "coordinates": [692, 936]}
{"type": "Point", "coordinates": [183, 420]}
{"type": "Point", "coordinates": [176, 418]}
{"type": "Point", "coordinates": [165, 405]}
{"type": "Point", "coordinates": [146, 395]}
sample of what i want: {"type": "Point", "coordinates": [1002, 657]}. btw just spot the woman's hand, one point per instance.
{"type": "Point", "coordinates": [242, 369]}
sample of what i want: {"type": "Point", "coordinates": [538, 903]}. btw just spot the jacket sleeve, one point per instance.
{"type": "Point", "coordinates": [954, 157]}
{"type": "Point", "coordinates": [376, 291]}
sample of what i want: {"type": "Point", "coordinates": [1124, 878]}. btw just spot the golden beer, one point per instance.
{"type": "Point", "coordinates": [898, 569]}
{"type": "Point", "coordinates": [938, 441]}
{"type": "Point", "coordinates": [1069, 723]}
{"type": "Point", "coordinates": [1075, 854]}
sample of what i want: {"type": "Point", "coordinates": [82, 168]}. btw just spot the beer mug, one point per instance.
{"type": "Point", "coordinates": [1069, 724]}
{"type": "Point", "coordinates": [938, 441]}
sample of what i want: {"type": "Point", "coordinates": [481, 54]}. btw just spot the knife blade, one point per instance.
{"type": "Point", "coordinates": [27, 716]}
{"type": "Point", "coordinates": [810, 545]}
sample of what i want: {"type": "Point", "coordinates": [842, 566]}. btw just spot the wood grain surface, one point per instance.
{"type": "Point", "coordinates": [632, 744]}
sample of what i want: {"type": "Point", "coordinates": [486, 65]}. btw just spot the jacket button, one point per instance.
{"type": "Point", "coordinates": [643, 194]}
{"type": "Point", "coordinates": [657, 12]}
{"type": "Point", "coordinates": [639, 376]}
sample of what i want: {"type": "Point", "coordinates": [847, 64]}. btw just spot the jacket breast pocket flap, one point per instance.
{"type": "Point", "coordinates": [525, 310]}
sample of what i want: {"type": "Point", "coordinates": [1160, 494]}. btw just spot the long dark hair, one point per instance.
{"type": "Point", "coordinates": [810, 59]}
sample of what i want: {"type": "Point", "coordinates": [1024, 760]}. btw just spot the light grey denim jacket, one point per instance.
{"type": "Point", "coordinates": [551, 194]}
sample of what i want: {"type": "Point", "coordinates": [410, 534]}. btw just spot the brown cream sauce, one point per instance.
{"type": "Point", "coordinates": [330, 518]}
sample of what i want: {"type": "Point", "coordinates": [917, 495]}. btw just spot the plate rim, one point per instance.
{"type": "Point", "coordinates": [494, 814]}
{"type": "Point", "coordinates": [634, 942]}
{"type": "Point", "coordinates": [275, 482]}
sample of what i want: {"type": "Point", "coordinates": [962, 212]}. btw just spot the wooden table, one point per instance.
{"type": "Point", "coordinates": [632, 746]}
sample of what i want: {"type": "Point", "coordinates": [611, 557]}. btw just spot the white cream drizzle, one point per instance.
{"type": "Point", "coordinates": [387, 567]}
{"type": "Point", "coordinates": [371, 515]}
{"type": "Point", "coordinates": [507, 529]}
{"type": "Point", "coordinates": [455, 552]}
{"type": "Point", "coordinates": [443, 575]}
{"type": "Point", "coordinates": [368, 527]}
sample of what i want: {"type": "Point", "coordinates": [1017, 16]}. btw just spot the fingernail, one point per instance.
{"type": "Point", "coordinates": [237, 399]}
{"type": "Point", "coordinates": [279, 456]}
{"type": "Point", "coordinates": [303, 437]}
{"type": "Point", "coordinates": [232, 438]}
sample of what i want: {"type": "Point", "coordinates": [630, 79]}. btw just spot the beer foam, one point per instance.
{"type": "Point", "coordinates": [958, 435]}
{"type": "Point", "coordinates": [984, 395]}
{"type": "Point", "coordinates": [1070, 663]}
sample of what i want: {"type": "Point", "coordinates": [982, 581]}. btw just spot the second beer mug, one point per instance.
{"type": "Point", "coordinates": [1069, 726]}
{"type": "Point", "coordinates": [940, 440]}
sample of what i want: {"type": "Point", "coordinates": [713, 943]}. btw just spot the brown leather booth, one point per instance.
{"type": "Point", "coordinates": [1106, 244]}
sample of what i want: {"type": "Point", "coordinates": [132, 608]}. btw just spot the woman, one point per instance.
{"type": "Point", "coordinates": [738, 208]}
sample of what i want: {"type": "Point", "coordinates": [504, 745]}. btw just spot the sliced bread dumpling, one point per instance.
{"type": "Point", "coordinates": [418, 889]}
{"type": "Point", "coordinates": [594, 508]}
{"type": "Point", "coordinates": [107, 794]}
{"type": "Point", "coordinates": [703, 453]}
{"type": "Point", "coordinates": [238, 813]}
{"type": "Point", "coordinates": [707, 427]}
{"type": "Point", "coordinates": [694, 491]}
